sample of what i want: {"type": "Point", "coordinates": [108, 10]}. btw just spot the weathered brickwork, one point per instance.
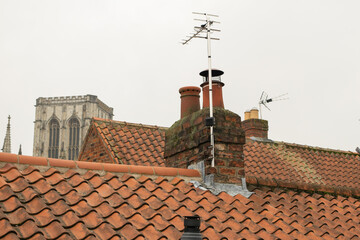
{"type": "Point", "coordinates": [188, 142]}
{"type": "Point", "coordinates": [255, 128]}
{"type": "Point", "coordinates": [94, 150]}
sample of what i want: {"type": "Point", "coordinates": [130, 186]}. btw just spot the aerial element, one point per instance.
{"type": "Point", "coordinates": [264, 100]}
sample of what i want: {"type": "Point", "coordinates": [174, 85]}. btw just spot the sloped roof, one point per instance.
{"type": "Point", "coordinates": [266, 162]}
{"type": "Point", "coordinates": [131, 143]}
{"type": "Point", "coordinates": [60, 199]}
{"type": "Point", "coordinates": [304, 167]}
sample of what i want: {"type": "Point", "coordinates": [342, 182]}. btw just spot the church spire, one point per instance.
{"type": "Point", "coordinates": [7, 140]}
{"type": "Point", "coordinates": [20, 151]}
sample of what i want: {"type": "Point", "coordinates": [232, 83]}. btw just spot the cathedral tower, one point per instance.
{"type": "Point", "coordinates": [61, 124]}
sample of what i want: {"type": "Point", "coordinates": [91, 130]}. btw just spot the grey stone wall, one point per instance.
{"type": "Point", "coordinates": [63, 109]}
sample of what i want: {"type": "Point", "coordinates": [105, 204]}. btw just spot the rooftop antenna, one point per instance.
{"type": "Point", "coordinates": [204, 31]}
{"type": "Point", "coordinates": [264, 100]}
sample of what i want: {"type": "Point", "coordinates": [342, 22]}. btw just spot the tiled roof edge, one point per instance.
{"type": "Point", "coordinates": [105, 143]}
{"type": "Point", "coordinates": [268, 141]}
{"type": "Point", "coordinates": [130, 124]}
{"type": "Point", "coordinates": [312, 187]}
{"type": "Point", "coordinates": [106, 167]}
{"type": "Point", "coordinates": [97, 132]}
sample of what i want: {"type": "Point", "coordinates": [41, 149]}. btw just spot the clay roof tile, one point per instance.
{"type": "Point", "coordinates": [303, 167]}
{"type": "Point", "coordinates": [133, 141]}
{"type": "Point", "coordinates": [94, 204]}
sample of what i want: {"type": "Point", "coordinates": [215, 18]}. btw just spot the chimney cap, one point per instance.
{"type": "Point", "coordinates": [214, 73]}
{"type": "Point", "coordinates": [189, 88]}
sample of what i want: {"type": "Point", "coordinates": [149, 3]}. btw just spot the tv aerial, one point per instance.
{"type": "Point", "coordinates": [265, 99]}
{"type": "Point", "coordinates": [204, 31]}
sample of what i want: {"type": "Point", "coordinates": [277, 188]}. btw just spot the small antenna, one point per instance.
{"type": "Point", "coordinates": [264, 100]}
{"type": "Point", "coordinates": [206, 29]}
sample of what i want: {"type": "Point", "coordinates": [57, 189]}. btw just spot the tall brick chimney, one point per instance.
{"type": "Point", "coordinates": [253, 126]}
{"type": "Point", "coordinates": [216, 88]}
{"type": "Point", "coordinates": [190, 100]}
{"type": "Point", "coordinates": [187, 141]}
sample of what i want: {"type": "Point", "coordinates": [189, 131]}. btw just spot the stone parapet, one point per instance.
{"type": "Point", "coordinates": [105, 107]}
{"type": "Point", "coordinates": [65, 99]}
{"type": "Point", "coordinates": [74, 100]}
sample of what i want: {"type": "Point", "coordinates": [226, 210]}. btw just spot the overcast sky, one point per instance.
{"type": "Point", "coordinates": [128, 54]}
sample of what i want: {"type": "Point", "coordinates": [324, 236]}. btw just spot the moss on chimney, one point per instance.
{"type": "Point", "coordinates": [187, 142]}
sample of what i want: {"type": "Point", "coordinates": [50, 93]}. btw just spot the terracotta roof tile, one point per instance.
{"type": "Point", "coordinates": [130, 232]}
{"type": "Point", "coordinates": [49, 204]}
{"type": "Point", "coordinates": [266, 163]}
{"type": "Point", "coordinates": [302, 167]}
{"type": "Point", "coordinates": [80, 231]}
{"type": "Point", "coordinates": [18, 216]}
{"type": "Point", "coordinates": [127, 143]}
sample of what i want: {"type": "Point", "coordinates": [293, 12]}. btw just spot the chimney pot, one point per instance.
{"type": "Point", "coordinates": [254, 113]}
{"type": "Point", "coordinates": [247, 115]}
{"type": "Point", "coordinates": [190, 100]}
{"type": "Point", "coordinates": [216, 88]}
{"type": "Point", "coordinates": [253, 126]}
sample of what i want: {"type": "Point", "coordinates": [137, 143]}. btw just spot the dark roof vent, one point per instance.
{"type": "Point", "coordinates": [358, 150]}
{"type": "Point", "coordinates": [192, 228]}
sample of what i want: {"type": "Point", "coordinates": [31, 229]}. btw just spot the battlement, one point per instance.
{"type": "Point", "coordinates": [65, 99]}
{"type": "Point", "coordinates": [74, 100]}
{"type": "Point", "coordinates": [105, 107]}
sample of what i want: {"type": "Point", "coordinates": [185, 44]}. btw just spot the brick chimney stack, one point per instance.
{"type": "Point", "coordinates": [187, 141]}
{"type": "Point", "coordinates": [253, 126]}
{"type": "Point", "coordinates": [190, 100]}
{"type": "Point", "coordinates": [216, 88]}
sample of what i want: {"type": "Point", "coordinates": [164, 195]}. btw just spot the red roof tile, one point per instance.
{"type": "Point", "coordinates": [302, 167]}
{"type": "Point", "coordinates": [266, 163]}
{"type": "Point", "coordinates": [50, 202]}
{"type": "Point", "coordinates": [130, 143]}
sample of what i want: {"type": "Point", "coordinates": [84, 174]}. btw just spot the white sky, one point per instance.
{"type": "Point", "coordinates": [128, 54]}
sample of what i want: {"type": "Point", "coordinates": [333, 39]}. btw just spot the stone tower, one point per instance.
{"type": "Point", "coordinates": [61, 124]}
{"type": "Point", "coordinates": [7, 141]}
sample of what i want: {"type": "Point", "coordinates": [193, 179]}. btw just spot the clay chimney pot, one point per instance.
{"type": "Point", "coordinates": [216, 88]}
{"type": "Point", "coordinates": [190, 100]}
{"type": "Point", "coordinates": [247, 115]}
{"type": "Point", "coordinates": [254, 113]}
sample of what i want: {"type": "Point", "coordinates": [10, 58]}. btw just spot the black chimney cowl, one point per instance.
{"type": "Point", "coordinates": [192, 228]}
{"type": "Point", "coordinates": [215, 75]}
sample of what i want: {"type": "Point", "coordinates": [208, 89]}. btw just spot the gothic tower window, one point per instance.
{"type": "Point", "coordinates": [74, 137]}
{"type": "Point", "coordinates": [54, 128]}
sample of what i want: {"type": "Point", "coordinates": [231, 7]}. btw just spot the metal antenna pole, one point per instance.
{"type": "Point", "coordinates": [212, 142]}
{"type": "Point", "coordinates": [199, 30]}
